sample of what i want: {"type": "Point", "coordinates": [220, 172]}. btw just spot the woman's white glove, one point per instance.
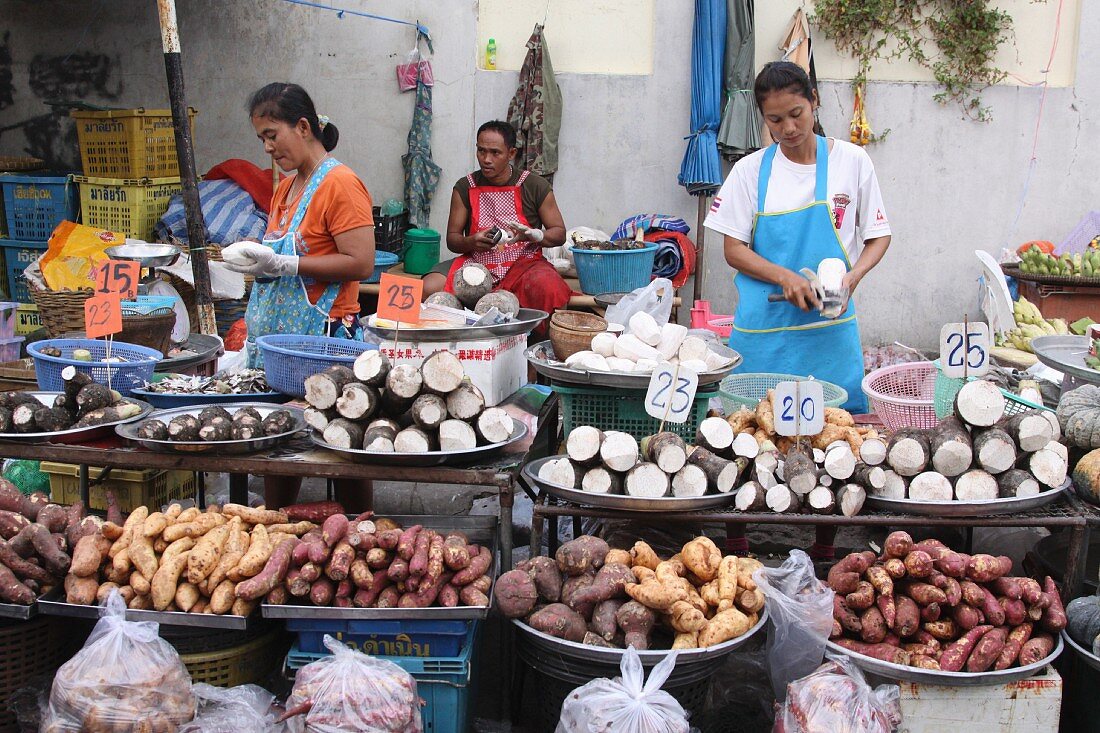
{"type": "Point", "coordinates": [519, 231]}
{"type": "Point", "coordinates": [259, 260]}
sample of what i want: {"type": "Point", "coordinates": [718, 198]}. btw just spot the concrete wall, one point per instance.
{"type": "Point", "coordinates": [951, 185]}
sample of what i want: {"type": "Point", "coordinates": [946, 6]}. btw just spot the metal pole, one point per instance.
{"type": "Point", "coordinates": [700, 240]}
{"type": "Point", "coordinates": [185, 152]}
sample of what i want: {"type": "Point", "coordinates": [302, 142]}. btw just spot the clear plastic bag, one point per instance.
{"type": "Point", "coordinates": [837, 699]}
{"type": "Point", "coordinates": [242, 709]}
{"type": "Point", "coordinates": [351, 691]}
{"type": "Point", "coordinates": [801, 610]}
{"type": "Point", "coordinates": [624, 704]}
{"type": "Point", "coordinates": [126, 678]}
{"type": "Point", "coordinates": [654, 299]}
{"type": "Point", "coordinates": [414, 65]}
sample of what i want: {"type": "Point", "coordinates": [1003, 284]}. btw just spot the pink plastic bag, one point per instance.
{"type": "Point", "coordinates": [837, 699]}
{"type": "Point", "coordinates": [414, 64]}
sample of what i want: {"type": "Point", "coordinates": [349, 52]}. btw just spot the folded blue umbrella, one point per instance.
{"type": "Point", "coordinates": [669, 260]}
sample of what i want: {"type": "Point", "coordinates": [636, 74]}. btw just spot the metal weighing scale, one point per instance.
{"type": "Point", "coordinates": [149, 256]}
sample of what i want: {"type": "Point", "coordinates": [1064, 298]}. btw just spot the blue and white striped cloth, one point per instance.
{"type": "Point", "coordinates": [230, 214]}
{"type": "Point", "coordinates": [649, 222]}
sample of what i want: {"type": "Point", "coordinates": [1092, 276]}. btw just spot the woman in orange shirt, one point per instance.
{"type": "Point", "coordinates": [320, 235]}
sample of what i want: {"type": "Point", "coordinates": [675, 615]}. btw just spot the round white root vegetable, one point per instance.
{"type": "Point", "coordinates": [931, 486]}
{"type": "Point", "coordinates": [1017, 483]}
{"type": "Point", "coordinates": [599, 480]}
{"type": "Point", "coordinates": [689, 481]}
{"type": "Point", "coordinates": [442, 372]}
{"type": "Point", "coordinates": [714, 434]}
{"type": "Point", "coordinates": [782, 500]}
{"type": "Point", "coordinates": [503, 300]}
{"type": "Point", "coordinates": [666, 449]}
{"type": "Point", "coordinates": [615, 364]}
{"type": "Point", "coordinates": [722, 475]}
{"type": "Point", "coordinates": [695, 348]}
{"type": "Point", "coordinates": [413, 440]}
{"type": "Point", "coordinates": [379, 439]}
{"type": "Point", "coordinates": [604, 344]}
{"type": "Point", "coordinates": [872, 452]}
{"type": "Point", "coordinates": [894, 486]}
{"type": "Point", "coordinates": [821, 501]}
{"type": "Point", "coordinates": [840, 462]}
{"type": "Point", "coordinates": [357, 401]}
{"type": "Point", "coordinates": [994, 449]}
{"type": "Point", "coordinates": [629, 346]}
{"type": "Point", "coordinates": [456, 435]}
{"type": "Point", "coordinates": [672, 335]}
{"type": "Point", "coordinates": [645, 328]}
{"type": "Point", "coordinates": [466, 402]}
{"type": "Point", "coordinates": [850, 498]}
{"type": "Point", "coordinates": [745, 445]}
{"type": "Point", "coordinates": [619, 451]}
{"type": "Point", "coordinates": [583, 444]}
{"type": "Point", "coordinates": [908, 452]}
{"type": "Point", "coordinates": [980, 403]}
{"type": "Point", "coordinates": [646, 481]}
{"type": "Point", "coordinates": [750, 498]}
{"type": "Point", "coordinates": [976, 485]}
{"type": "Point", "coordinates": [324, 388]}
{"type": "Point", "coordinates": [445, 299]}
{"type": "Point", "coordinates": [343, 433]}
{"type": "Point", "coordinates": [494, 425]}
{"type": "Point", "coordinates": [371, 367]}
{"type": "Point", "coordinates": [564, 473]}
{"type": "Point", "coordinates": [429, 411]}
{"type": "Point", "coordinates": [472, 283]}
{"type": "Point", "coordinates": [405, 381]}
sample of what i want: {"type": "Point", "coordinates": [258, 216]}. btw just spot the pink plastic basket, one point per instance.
{"type": "Point", "coordinates": [904, 395]}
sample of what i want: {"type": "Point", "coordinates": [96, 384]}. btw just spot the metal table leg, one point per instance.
{"type": "Point", "coordinates": [1074, 577]}
{"type": "Point", "coordinates": [238, 488]}
{"type": "Point", "coordinates": [85, 493]}
{"type": "Point", "coordinates": [507, 499]}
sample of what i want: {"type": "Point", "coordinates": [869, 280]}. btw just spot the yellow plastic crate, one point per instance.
{"type": "Point", "coordinates": [243, 664]}
{"type": "Point", "coordinates": [131, 207]}
{"type": "Point", "coordinates": [152, 487]}
{"type": "Point", "coordinates": [27, 319]}
{"type": "Point", "coordinates": [128, 143]}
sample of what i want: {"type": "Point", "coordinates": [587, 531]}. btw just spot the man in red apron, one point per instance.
{"type": "Point", "coordinates": [522, 206]}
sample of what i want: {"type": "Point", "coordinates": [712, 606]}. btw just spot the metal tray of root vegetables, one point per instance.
{"type": "Point", "coordinates": [221, 447]}
{"type": "Point", "coordinates": [18, 611]}
{"type": "Point", "coordinates": [526, 321]}
{"type": "Point", "coordinates": [75, 435]}
{"type": "Point", "coordinates": [621, 501]}
{"type": "Point", "coordinates": [1084, 654]}
{"type": "Point", "coordinates": [891, 671]}
{"type": "Point", "coordinates": [427, 458]}
{"type": "Point", "coordinates": [480, 529]}
{"type": "Point", "coordinates": [649, 657]}
{"type": "Point", "coordinates": [53, 604]}
{"type": "Point", "coordinates": [981, 508]}
{"type": "Point", "coordinates": [541, 357]}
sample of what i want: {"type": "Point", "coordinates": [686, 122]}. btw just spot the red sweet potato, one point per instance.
{"type": "Point", "coordinates": [470, 595]}
{"type": "Point", "coordinates": [478, 566]}
{"type": "Point", "coordinates": [322, 591]}
{"type": "Point", "coordinates": [897, 544]}
{"type": "Point", "coordinates": [991, 609]}
{"type": "Point", "coordinates": [389, 538]}
{"type": "Point", "coordinates": [418, 565]}
{"type": "Point", "coordinates": [313, 511]}
{"type": "Point", "coordinates": [339, 563]}
{"type": "Point", "coordinates": [1032, 590]}
{"type": "Point", "coordinates": [957, 652]}
{"type": "Point", "coordinates": [883, 652]}
{"type": "Point", "coordinates": [12, 590]}
{"type": "Point", "coordinates": [951, 564]}
{"type": "Point", "coordinates": [888, 606]}
{"type": "Point", "coordinates": [273, 574]}
{"type": "Point", "coordinates": [918, 564]}
{"type": "Point", "coordinates": [398, 570]}
{"type": "Point", "coordinates": [11, 523]}
{"type": "Point", "coordinates": [880, 580]}
{"type": "Point", "coordinates": [1014, 643]}
{"type": "Point", "coordinates": [930, 613]}
{"type": "Point", "coordinates": [1015, 611]}
{"type": "Point", "coordinates": [944, 630]}
{"type": "Point", "coordinates": [972, 593]}
{"type": "Point", "coordinates": [923, 661]}
{"type": "Point", "coordinates": [365, 597]}
{"type": "Point", "coordinates": [334, 529]}
{"type": "Point", "coordinates": [406, 544]}
{"type": "Point", "coordinates": [895, 567]}
{"type": "Point", "coordinates": [966, 617]}
{"type": "Point", "coordinates": [925, 593]}
{"type": "Point", "coordinates": [933, 547]}
{"type": "Point", "coordinates": [388, 598]}
{"type": "Point", "coordinates": [872, 625]}
{"type": "Point", "coordinates": [986, 568]}
{"type": "Point", "coordinates": [862, 598]}
{"type": "Point", "coordinates": [1008, 587]}
{"type": "Point", "coordinates": [847, 618]}
{"type": "Point", "coordinates": [448, 596]}
{"type": "Point", "coordinates": [844, 576]}
{"type": "Point", "coordinates": [1054, 616]}
{"type": "Point", "coordinates": [907, 620]}
{"type": "Point", "coordinates": [1035, 649]}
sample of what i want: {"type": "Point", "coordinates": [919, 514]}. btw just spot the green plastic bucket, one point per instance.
{"type": "Point", "coordinates": [421, 251]}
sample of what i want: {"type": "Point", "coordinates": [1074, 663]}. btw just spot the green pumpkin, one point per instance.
{"type": "Point", "coordinates": [1084, 620]}
{"type": "Point", "coordinates": [1079, 416]}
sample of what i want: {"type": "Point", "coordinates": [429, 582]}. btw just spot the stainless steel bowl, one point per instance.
{"type": "Point", "coordinates": [148, 255]}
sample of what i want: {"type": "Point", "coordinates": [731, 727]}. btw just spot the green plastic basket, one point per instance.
{"type": "Point", "coordinates": [607, 408]}
{"type": "Point", "coordinates": [948, 387]}
{"type": "Point", "coordinates": [746, 390]}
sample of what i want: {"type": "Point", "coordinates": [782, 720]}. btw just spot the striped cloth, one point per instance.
{"type": "Point", "coordinates": [229, 211]}
{"type": "Point", "coordinates": [650, 222]}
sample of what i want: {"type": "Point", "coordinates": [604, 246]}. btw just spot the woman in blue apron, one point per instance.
{"type": "Point", "coordinates": [318, 246]}
{"type": "Point", "coordinates": [803, 199]}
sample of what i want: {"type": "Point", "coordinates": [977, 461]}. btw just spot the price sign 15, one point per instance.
{"type": "Point", "coordinates": [399, 298]}
{"type": "Point", "coordinates": [964, 349]}
{"type": "Point", "coordinates": [671, 395]}
{"type": "Point", "coordinates": [117, 276]}
{"type": "Point", "coordinates": [799, 408]}
{"type": "Point", "coordinates": [102, 315]}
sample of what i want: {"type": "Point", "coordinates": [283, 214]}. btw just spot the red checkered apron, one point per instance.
{"type": "Point", "coordinates": [496, 206]}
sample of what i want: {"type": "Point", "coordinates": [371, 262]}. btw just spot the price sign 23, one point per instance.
{"type": "Point", "coordinates": [671, 393]}
{"type": "Point", "coordinates": [964, 349]}
{"type": "Point", "coordinates": [799, 408]}
{"type": "Point", "coordinates": [102, 315]}
{"type": "Point", "coordinates": [399, 298]}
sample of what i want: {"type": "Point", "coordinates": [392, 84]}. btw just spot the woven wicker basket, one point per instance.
{"type": "Point", "coordinates": [60, 311]}
{"type": "Point", "coordinates": [243, 664]}
{"type": "Point", "coordinates": [572, 331]}
{"type": "Point", "coordinates": [29, 650]}
{"type": "Point", "coordinates": [154, 331]}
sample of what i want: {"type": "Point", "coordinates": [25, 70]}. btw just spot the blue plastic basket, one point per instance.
{"type": "Point", "coordinates": [18, 254]}
{"type": "Point", "coordinates": [289, 359]}
{"type": "Point", "coordinates": [125, 376]}
{"type": "Point", "coordinates": [614, 271]}
{"type": "Point", "coordinates": [402, 638]}
{"type": "Point", "coordinates": [35, 205]}
{"type": "Point", "coordinates": [443, 683]}
{"type": "Point", "coordinates": [382, 262]}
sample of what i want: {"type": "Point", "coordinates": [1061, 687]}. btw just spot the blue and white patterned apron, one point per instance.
{"type": "Point", "coordinates": [281, 304]}
{"type": "Point", "coordinates": [780, 337]}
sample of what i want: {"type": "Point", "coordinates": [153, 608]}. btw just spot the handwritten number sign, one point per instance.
{"type": "Point", "coordinates": [799, 408]}
{"type": "Point", "coordinates": [671, 395]}
{"type": "Point", "coordinates": [964, 349]}
{"type": "Point", "coordinates": [117, 276]}
{"type": "Point", "coordinates": [399, 298]}
{"type": "Point", "coordinates": [102, 315]}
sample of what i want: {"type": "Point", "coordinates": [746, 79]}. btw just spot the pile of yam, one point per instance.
{"type": "Point", "coordinates": [84, 403]}
{"type": "Point", "coordinates": [216, 423]}
{"type": "Point", "coordinates": [378, 407]}
{"type": "Point", "coordinates": [592, 594]}
{"type": "Point", "coordinates": [643, 346]}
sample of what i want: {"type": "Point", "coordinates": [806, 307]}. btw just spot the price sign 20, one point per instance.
{"type": "Point", "coordinates": [964, 349]}
{"type": "Point", "coordinates": [799, 408]}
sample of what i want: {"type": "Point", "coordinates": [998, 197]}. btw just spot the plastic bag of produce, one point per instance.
{"type": "Point", "coordinates": [243, 709]}
{"type": "Point", "coordinates": [126, 678]}
{"type": "Point", "coordinates": [654, 299]}
{"type": "Point", "coordinates": [837, 699]}
{"type": "Point", "coordinates": [801, 611]}
{"type": "Point", "coordinates": [350, 691]}
{"type": "Point", "coordinates": [625, 704]}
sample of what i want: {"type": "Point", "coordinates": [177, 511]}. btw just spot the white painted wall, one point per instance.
{"type": "Point", "coordinates": [951, 185]}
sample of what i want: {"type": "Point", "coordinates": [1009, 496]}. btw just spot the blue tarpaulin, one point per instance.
{"type": "Point", "coordinates": [701, 172]}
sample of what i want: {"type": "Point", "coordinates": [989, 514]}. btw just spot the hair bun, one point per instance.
{"type": "Point", "coordinates": [329, 136]}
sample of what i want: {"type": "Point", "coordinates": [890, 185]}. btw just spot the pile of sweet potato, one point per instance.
{"type": "Point", "coordinates": [37, 539]}
{"type": "Point", "coordinates": [592, 594]}
{"type": "Point", "coordinates": [924, 605]}
{"type": "Point", "coordinates": [227, 560]}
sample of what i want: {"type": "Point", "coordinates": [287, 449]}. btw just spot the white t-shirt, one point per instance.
{"type": "Point", "coordinates": [853, 195]}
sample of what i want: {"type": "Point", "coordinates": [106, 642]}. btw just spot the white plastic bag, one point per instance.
{"type": "Point", "coordinates": [836, 698]}
{"type": "Point", "coordinates": [623, 704]}
{"type": "Point", "coordinates": [350, 692]}
{"type": "Point", "coordinates": [654, 299]}
{"type": "Point", "coordinates": [801, 610]}
{"type": "Point", "coordinates": [242, 709]}
{"type": "Point", "coordinates": [125, 678]}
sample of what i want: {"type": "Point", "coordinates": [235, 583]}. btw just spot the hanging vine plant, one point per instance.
{"type": "Point", "coordinates": [961, 38]}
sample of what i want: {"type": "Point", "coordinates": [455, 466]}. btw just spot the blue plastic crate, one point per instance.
{"type": "Point", "coordinates": [34, 205]}
{"type": "Point", "coordinates": [125, 376]}
{"type": "Point", "coordinates": [442, 682]}
{"type": "Point", "coordinates": [17, 255]}
{"type": "Point", "coordinates": [614, 270]}
{"type": "Point", "coordinates": [382, 262]}
{"type": "Point", "coordinates": [405, 638]}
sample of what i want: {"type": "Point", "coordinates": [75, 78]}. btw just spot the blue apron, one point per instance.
{"type": "Point", "coordinates": [780, 337]}
{"type": "Point", "coordinates": [281, 305]}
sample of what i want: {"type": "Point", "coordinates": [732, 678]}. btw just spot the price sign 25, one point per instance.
{"type": "Point", "coordinates": [964, 349]}
{"type": "Point", "coordinates": [399, 298]}
{"type": "Point", "coordinates": [799, 408]}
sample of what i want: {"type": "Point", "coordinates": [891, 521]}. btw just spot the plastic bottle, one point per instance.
{"type": "Point", "coordinates": [491, 54]}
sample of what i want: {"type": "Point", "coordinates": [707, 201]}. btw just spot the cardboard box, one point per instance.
{"type": "Point", "coordinates": [1028, 706]}
{"type": "Point", "coordinates": [495, 366]}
